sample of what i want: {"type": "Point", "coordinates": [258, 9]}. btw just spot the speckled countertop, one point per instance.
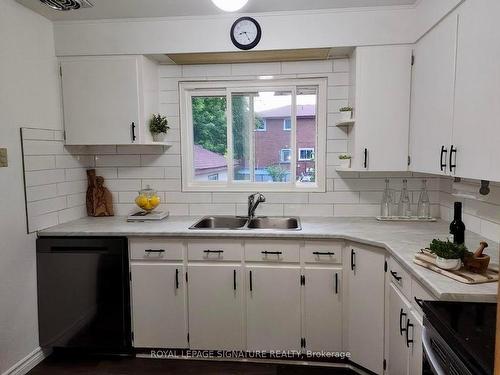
{"type": "Point", "coordinates": [401, 240]}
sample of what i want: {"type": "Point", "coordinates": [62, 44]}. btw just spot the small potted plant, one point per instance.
{"type": "Point", "coordinates": [345, 113]}
{"type": "Point", "coordinates": [449, 255]}
{"type": "Point", "coordinates": [158, 126]}
{"type": "Point", "coordinates": [345, 160]}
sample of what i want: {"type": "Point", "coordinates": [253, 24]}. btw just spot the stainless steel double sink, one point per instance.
{"type": "Point", "coordinates": [244, 223]}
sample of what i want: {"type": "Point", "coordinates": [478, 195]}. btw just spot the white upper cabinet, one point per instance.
{"type": "Point", "coordinates": [381, 84]}
{"type": "Point", "coordinates": [432, 98]}
{"type": "Point", "coordinates": [476, 131]}
{"type": "Point", "coordinates": [108, 100]}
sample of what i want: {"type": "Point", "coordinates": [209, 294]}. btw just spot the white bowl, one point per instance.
{"type": "Point", "coordinates": [448, 264]}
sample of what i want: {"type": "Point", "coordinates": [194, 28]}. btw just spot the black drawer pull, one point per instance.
{"type": "Point", "coordinates": [453, 150]}
{"type": "Point", "coordinates": [408, 325]}
{"type": "Point", "coordinates": [234, 279]}
{"type": "Point", "coordinates": [323, 253]}
{"type": "Point", "coordinates": [133, 132]}
{"type": "Point", "coordinates": [158, 251]}
{"type": "Point", "coordinates": [419, 302]}
{"type": "Point", "coordinates": [271, 252]}
{"type": "Point", "coordinates": [176, 278]}
{"type": "Point", "coordinates": [443, 165]}
{"type": "Point", "coordinates": [336, 283]}
{"type": "Point", "coordinates": [213, 251]}
{"type": "Point", "coordinates": [365, 163]}
{"type": "Point", "coordinates": [251, 281]}
{"type": "Point", "coordinates": [353, 265]}
{"type": "Point", "coordinates": [401, 315]}
{"type": "Point", "coordinates": [395, 275]}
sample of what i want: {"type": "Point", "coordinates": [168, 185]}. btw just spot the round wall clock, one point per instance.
{"type": "Point", "coordinates": [245, 33]}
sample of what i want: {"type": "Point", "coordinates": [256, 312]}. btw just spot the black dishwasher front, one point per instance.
{"type": "Point", "coordinates": [83, 294]}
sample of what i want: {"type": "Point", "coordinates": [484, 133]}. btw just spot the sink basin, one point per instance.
{"type": "Point", "coordinates": [241, 222]}
{"type": "Point", "coordinates": [289, 223]}
{"type": "Point", "coordinates": [220, 222]}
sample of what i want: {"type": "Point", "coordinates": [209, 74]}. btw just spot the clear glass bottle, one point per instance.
{"type": "Point", "coordinates": [387, 201]}
{"type": "Point", "coordinates": [424, 204]}
{"type": "Point", "coordinates": [404, 206]}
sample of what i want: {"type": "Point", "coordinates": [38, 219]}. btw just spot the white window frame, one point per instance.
{"type": "Point", "coordinates": [282, 159]}
{"type": "Point", "coordinates": [284, 125]}
{"type": "Point", "coordinates": [305, 149]}
{"type": "Point", "coordinates": [263, 129]}
{"type": "Point", "coordinates": [187, 90]}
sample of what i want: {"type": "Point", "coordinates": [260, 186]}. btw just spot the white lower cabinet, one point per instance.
{"type": "Point", "coordinates": [323, 309]}
{"type": "Point", "coordinates": [158, 305]}
{"type": "Point", "coordinates": [215, 307]}
{"type": "Point", "coordinates": [365, 310]}
{"type": "Point", "coordinates": [415, 346]}
{"type": "Point", "coordinates": [399, 313]}
{"type": "Point", "coordinates": [273, 308]}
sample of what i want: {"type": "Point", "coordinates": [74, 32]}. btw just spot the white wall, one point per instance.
{"type": "Point", "coordinates": [29, 96]}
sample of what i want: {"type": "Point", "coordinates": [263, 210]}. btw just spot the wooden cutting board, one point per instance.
{"type": "Point", "coordinates": [425, 259]}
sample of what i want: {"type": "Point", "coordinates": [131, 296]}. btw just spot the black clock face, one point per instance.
{"type": "Point", "coordinates": [245, 33]}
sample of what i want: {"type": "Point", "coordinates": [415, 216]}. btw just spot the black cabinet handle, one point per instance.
{"type": "Point", "coordinates": [443, 165]}
{"type": "Point", "coordinates": [353, 265]}
{"type": "Point", "coordinates": [366, 158]}
{"type": "Point", "coordinates": [408, 341]}
{"type": "Point", "coordinates": [159, 251]}
{"type": "Point", "coordinates": [453, 150]}
{"type": "Point", "coordinates": [176, 278]}
{"type": "Point", "coordinates": [395, 275]}
{"type": "Point", "coordinates": [336, 283]}
{"type": "Point", "coordinates": [323, 253]}
{"type": "Point", "coordinates": [213, 251]}
{"type": "Point", "coordinates": [234, 279]}
{"type": "Point", "coordinates": [251, 281]}
{"type": "Point", "coordinates": [401, 315]}
{"type": "Point", "coordinates": [133, 132]}
{"type": "Point", "coordinates": [419, 302]}
{"type": "Point", "coordinates": [271, 252]}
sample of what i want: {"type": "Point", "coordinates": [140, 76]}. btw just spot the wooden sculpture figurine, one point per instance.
{"type": "Point", "coordinates": [99, 198]}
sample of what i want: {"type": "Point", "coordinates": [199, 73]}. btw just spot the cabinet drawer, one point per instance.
{"type": "Point", "coordinates": [400, 278]}
{"type": "Point", "coordinates": [272, 251]}
{"type": "Point", "coordinates": [322, 252]}
{"type": "Point", "coordinates": [419, 293]}
{"type": "Point", "coordinates": [155, 249]}
{"type": "Point", "coordinates": [215, 250]}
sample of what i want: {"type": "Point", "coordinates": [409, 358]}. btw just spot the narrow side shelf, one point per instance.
{"type": "Point", "coordinates": [345, 122]}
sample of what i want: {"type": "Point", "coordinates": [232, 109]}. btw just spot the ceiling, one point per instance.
{"type": "Point", "coordinates": [109, 9]}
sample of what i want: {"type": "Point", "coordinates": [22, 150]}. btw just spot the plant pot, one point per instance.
{"type": "Point", "coordinates": [345, 163]}
{"type": "Point", "coordinates": [448, 264]}
{"type": "Point", "coordinates": [345, 115]}
{"type": "Point", "coordinates": [159, 137]}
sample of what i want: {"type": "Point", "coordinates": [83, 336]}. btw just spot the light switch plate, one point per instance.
{"type": "Point", "coordinates": [3, 158]}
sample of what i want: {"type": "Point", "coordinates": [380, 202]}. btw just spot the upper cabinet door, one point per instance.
{"type": "Point", "coordinates": [432, 98]}
{"type": "Point", "coordinates": [382, 108]}
{"type": "Point", "coordinates": [101, 100]}
{"type": "Point", "coordinates": [476, 131]}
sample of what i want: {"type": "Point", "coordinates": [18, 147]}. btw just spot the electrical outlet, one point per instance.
{"type": "Point", "coordinates": [3, 157]}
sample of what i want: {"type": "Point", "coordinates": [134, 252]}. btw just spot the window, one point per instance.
{"type": "Point", "coordinates": [287, 124]}
{"type": "Point", "coordinates": [234, 140]}
{"type": "Point", "coordinates": [285, 155]}
{"type": "Point", "coordinates": [306, 154]}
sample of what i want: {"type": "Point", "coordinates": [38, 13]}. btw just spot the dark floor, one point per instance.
{"type": "Point", "coordinates": [136, 366]}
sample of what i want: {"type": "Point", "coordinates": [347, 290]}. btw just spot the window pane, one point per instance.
{"type": "Point", "coordinates": [210, 138]}
{"type": "Point", "coordinates": [306, 134]}
{"type": "Point", "coordinates": [272, 160]}
{"type": "Point", "coordinates": [242, 132]}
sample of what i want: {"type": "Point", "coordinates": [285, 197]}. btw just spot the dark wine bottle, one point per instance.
{"type": "Point", "coordinates": [457, 226]}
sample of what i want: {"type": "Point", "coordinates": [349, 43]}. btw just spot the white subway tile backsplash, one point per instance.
{"type": "Point", "coordinates": [43, 221]}
{"type": "Point", "coordinates": [71, 187]}
{"type": "Point", "coordinates": [334, 197]}
{"type": "Point", "coordinates": [297, 67]}
{"type": "Point", "coordinates": [76, 174]}
{"type": "Point", "coordinates": [267, 69]}
{"type": "Point", "coordinates": [123, 185]}
{"type": "Point", "coordinates": [160, 160]}
{"type": "Point", "coordinates": [338, 92]}
{"type": "Point", "coordinates": [169, 71]}
{"type": "Point", "coordinates": [141, 172]}
{"type": "Point", "coordinates": [197, 209]}
{"type": "Point", "coordinates": [45, 206]}
{"type": "Point", "coordinates": [335, 104]}
{"type": "Point", "coordinates": [37, 193]}
{"type": "Point", "coordinates": [42, 147]}
{"type": "Point", "coordinates": [72, 213]}
{"type": "Point", "coordinates": [76, 200]}
{"type": "Point", "coordinates": [35, 163]}
{"type": "Point", "coordinates": [338, 79]}
{"type": "Point", "coordinates": [76, 161]}
{"type": "Point", "coordinates": [341, 65]}
{"type": "Point", "coordinates": [169, 97]}
{"type": "Point", "coordinates": [44, 177]}
{"type": "Point", "coordinates": [321, 210]}
{"type": "Point", "coordinates": [37, 134]}
{"type": "Point", "coordinates": [163, 185]}
{"type": "Point", "coordinates": [202, 70]}
{"type": "Point", "coordinates": [118, 160]}
{"type": "Point", "coordinates": [268, 209]}
{"type": "Point", "coordinates": [177, 197]}
{"type": "Point", "coordinates": [356, 210]}
{"type": "Point", "coordinates": [140, 149]}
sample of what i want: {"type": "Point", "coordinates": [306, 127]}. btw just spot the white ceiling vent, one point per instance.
{"type": "Point", "coordinates": [67, 4]}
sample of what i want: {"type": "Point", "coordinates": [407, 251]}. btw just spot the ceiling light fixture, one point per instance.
{"type": "Point", "coordinates": [230, 5]}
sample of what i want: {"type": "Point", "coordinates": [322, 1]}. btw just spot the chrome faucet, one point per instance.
{"type": "Point", "coordinates": [253, 202]}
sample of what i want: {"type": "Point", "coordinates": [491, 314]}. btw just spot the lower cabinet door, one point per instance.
{"type": "Point", "coordinates": [215, 307]}
{"type": "Point", "coordinates": [399, 313]}
{"type": "Point", "coordinates": [158, 305]}
{"type": "Point", "coordinates": [273, 308]}
{"type": "Point", "coordinates": [323, 309]}
{"type": "Point", "coordinates": [415, 347]}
